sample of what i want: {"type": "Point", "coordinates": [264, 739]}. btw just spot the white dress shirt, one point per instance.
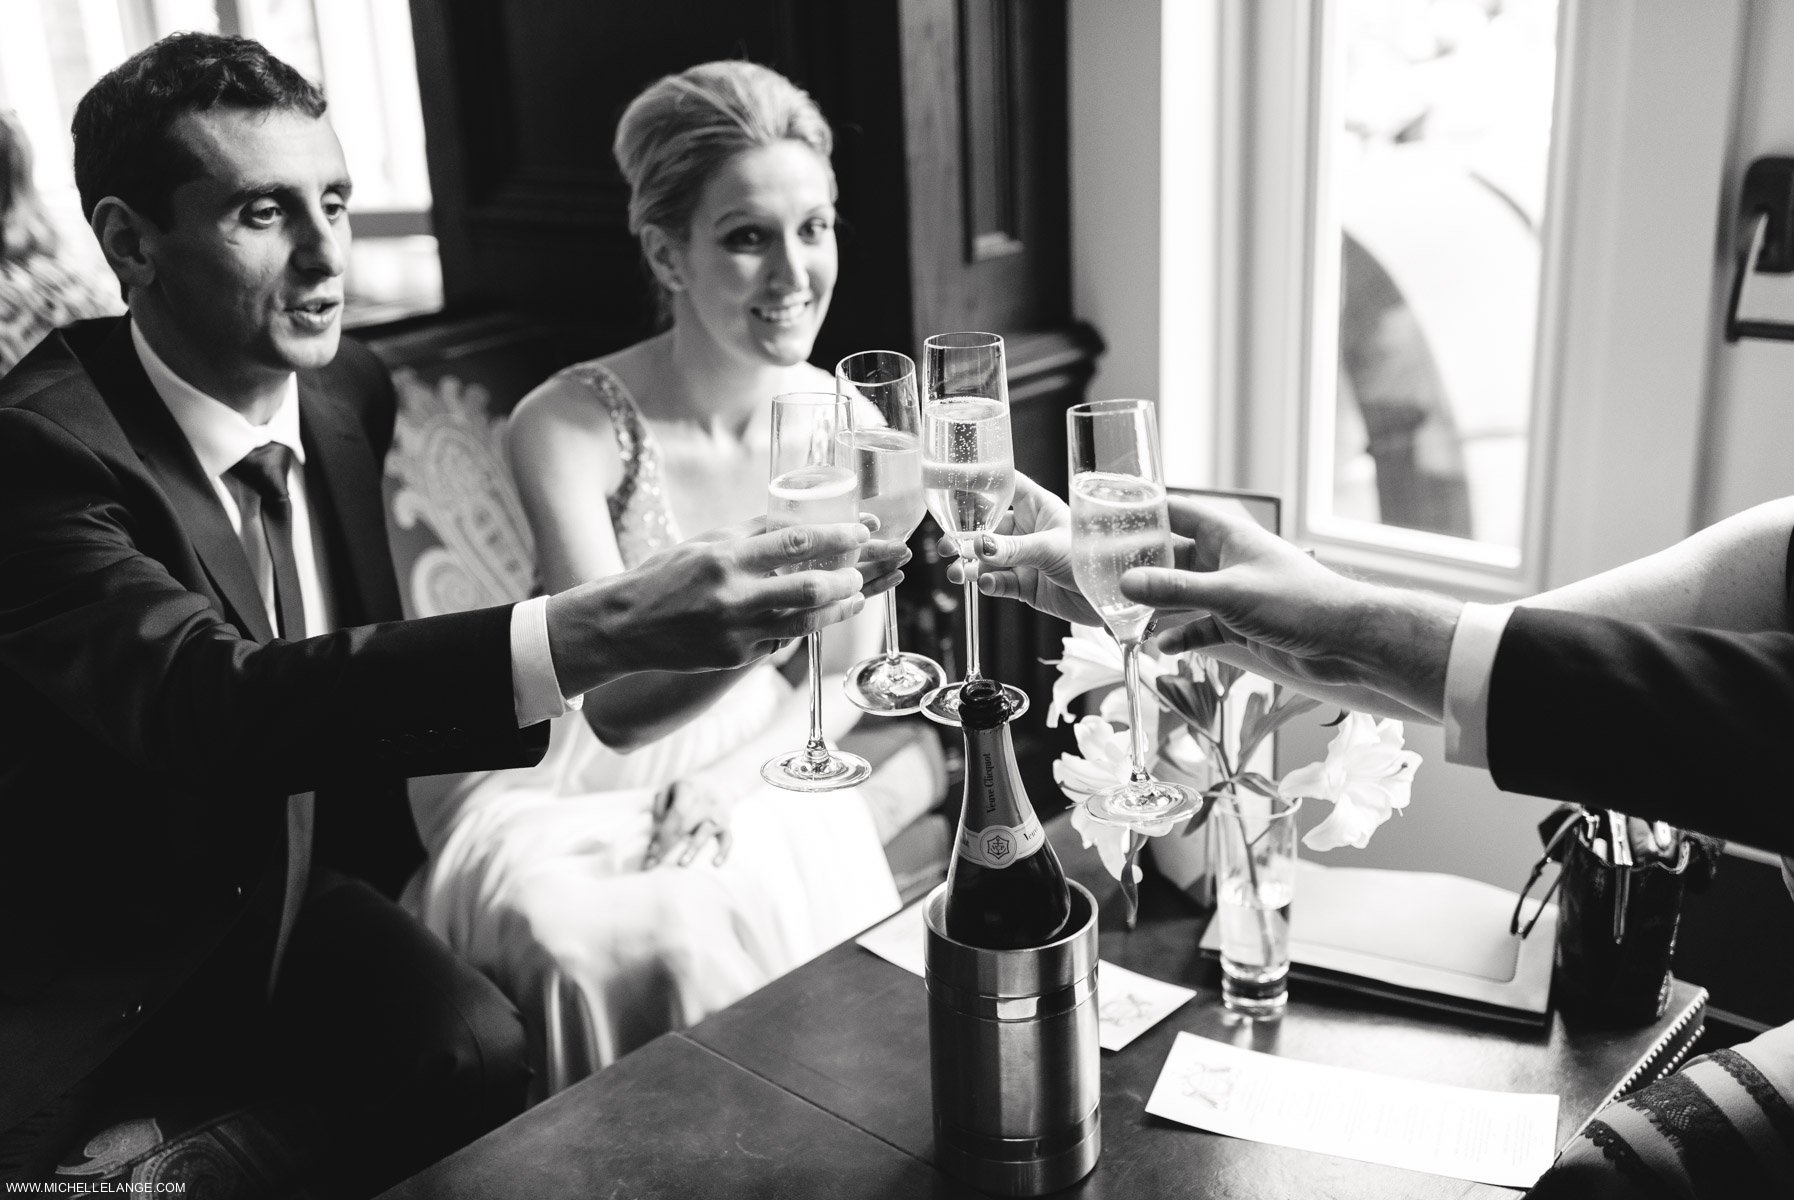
{"type": "Point", "coordinates": [1467, 672]}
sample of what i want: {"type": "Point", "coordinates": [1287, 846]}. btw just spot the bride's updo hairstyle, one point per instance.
{"type": "Point", "coordinates": [683, 127]}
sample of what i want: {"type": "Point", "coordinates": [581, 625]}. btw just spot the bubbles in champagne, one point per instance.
{"type": "Point", "coordinates": [1118, 522]}
{"type": "Point", "coordinates": [889, 467]}
{"type": "Point", "coordinates": [968, 467]}
{"type": "Point", "coordinates": [816, 495]}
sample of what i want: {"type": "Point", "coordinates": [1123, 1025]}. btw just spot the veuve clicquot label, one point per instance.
{"type": "Point", "coordinates": [1001, 846]}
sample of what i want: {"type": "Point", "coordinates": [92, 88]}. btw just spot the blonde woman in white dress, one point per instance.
{"type": "Point", "coordinates": [538, 877]}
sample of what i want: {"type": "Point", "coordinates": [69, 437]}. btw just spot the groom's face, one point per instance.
{"type": "Point", "coordinates": [249, 271]}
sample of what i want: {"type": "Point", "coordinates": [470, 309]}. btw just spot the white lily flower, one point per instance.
{"type": "Point", "coordinates": [1365, 776]}
{"type": "Point", "coordinates": [1090, 658]}
{"type": "Point", "coordinates": [1103, 764]}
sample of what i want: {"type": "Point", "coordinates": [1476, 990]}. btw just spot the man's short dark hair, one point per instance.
{"type": "Point", "coordinates": [121, 128]}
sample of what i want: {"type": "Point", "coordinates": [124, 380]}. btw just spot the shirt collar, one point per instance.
{"type": "Point", "coordinates": [219, 434]}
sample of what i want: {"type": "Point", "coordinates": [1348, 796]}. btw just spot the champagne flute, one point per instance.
{"type": "Point", "coordinates": [1119, 521]}
{"type": "Point", "coordinates": [968, 472]}
{"type": "Point", "coordinates": [809, 486]}
{"type": "Point", "coordinates": [886, 452]}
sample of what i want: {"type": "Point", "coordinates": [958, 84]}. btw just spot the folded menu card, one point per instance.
{"type": "Point", "coordinates": [1128, 1003]}
{"type": "Point", "coordinates": [1438, 940]}
{"type": "Point", "coordinates": [1506, 1138]}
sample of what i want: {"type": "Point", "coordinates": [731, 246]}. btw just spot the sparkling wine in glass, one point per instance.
{"type": "Point", "coordinates": [883, 445]}
{"type": "Point", "coordinates": [809, 485]}
{"type": "Point", "coordinates": [1119, 521]}
{"type": "Point", "coordinates": [968, 471]}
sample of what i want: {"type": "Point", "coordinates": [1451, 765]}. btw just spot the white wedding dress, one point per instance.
{"type": "Point", "coordinates": [534, 875]}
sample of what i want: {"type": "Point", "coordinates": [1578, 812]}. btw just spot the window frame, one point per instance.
{"type": "Point", "coordinates": [1294, 388]}
{"type": "Point", "coordinates": [1625, 339]}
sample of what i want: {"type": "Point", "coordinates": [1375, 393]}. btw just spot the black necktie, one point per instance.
{"type": "Point", "coordinates": [267, 532]}
{"type": "Point", "coordinates": [259, 483]}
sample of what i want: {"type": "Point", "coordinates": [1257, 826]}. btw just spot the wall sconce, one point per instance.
{"type": "Point", "coordinates": [1766, 206]}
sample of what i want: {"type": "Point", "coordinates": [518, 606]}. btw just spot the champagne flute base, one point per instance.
{"type": "Point", "coordinates": [888, 687]}
{"type": "Point", "coordinates": [1150, 806]}
{"type": "Point", "coordinates": [942, 704]}
{"type": "Point", "coordinates": [798, 772]}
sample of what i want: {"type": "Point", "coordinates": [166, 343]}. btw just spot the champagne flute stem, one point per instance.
{"type": "Point", "coordinates": [816, 749]}
{"type": "Point", "coordinates": [971, 607]}
{"type": "Point", "coordinates": [891, 652]}
{"type": "Point", "coordinates": [1136, 735]}
{"type": "Point", "coordinates": [1130, 887]}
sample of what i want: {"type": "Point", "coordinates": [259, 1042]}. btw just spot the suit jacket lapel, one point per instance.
{"type": "Point", "coordinates": [165, 451]}
{"type": "Point", "coordinates": [341, 463]}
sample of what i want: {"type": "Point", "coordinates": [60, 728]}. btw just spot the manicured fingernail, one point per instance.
{"type": "Point", "coordinates": [987, 545]}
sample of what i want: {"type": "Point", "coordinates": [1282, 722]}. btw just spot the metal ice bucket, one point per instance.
{"type": "Point", "coordinates": [1012, 1040]}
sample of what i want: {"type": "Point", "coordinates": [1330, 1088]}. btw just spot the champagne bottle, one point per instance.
{"type": "Point", "coordinates": [1005, 887]}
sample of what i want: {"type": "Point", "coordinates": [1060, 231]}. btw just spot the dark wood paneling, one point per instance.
{"type": "Point", "coordinates": [932, 124]}
{"type": "Point", "coordinates": [521, 100]}
{"type": "Point", "coordinates": [985, 94]}
{"type": "Point", "coordinates": [989, 92]}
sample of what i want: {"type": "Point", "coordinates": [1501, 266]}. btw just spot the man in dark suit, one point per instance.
{"type": "Point", "coordinates": [208, 704]}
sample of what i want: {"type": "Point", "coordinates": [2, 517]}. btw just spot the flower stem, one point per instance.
{"type": "Point", "coordinates": [1261, 918]}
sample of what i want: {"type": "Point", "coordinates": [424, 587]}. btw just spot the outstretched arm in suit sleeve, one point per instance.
{"type": "Point", "coordinates": [1666, 722]}
{"type": "Point", "coordinates": [1662, 720]}
{"type": "Point", "coordinates": [106, 633]}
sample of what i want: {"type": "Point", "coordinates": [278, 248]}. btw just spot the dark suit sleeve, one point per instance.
{"type": "Point", "coordinates": [106, 634]}
{"type": "Point", "coordinates": [1667, 722]}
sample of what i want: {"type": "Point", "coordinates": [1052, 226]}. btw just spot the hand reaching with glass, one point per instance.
{"type": "Point", "coordinates": [968, 470]}
{"type": "Point", "coordinates": [809, 483]}
{"type": "Point", "coordinates": [1027, 558]}
{"type": "Point", "coordinates": [886, 455]}
{"type": "Point", "coordinates": [721, 600]}
{"type": "Point", "coordinates": [1277, 613]}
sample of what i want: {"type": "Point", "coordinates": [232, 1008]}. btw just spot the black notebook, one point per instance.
{"type": "Point", "coordinates": [1436, 940]}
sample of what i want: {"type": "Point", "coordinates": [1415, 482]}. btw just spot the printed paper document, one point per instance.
{"type": "Point", "coordinates": [1504, 1138]}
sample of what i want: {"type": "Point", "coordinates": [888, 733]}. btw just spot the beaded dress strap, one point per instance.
{"type": "Point", "coordinates": [639, 513]}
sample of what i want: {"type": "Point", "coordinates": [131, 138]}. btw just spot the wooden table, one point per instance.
{"type": "Point", "coordinates": [817, 1086]}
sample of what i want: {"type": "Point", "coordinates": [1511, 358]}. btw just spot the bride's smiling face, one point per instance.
{"type": "Point", "coordinates": [758, 264]}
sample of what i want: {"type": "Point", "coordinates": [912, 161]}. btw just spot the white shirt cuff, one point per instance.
{"type": "Point", "coordinates": [535, 688]}
{"type": "Point", "coordinates": [1467, 671]}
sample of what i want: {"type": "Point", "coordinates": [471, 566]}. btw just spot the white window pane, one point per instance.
{"type": "Point", "coordinates": [1439, 144]}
